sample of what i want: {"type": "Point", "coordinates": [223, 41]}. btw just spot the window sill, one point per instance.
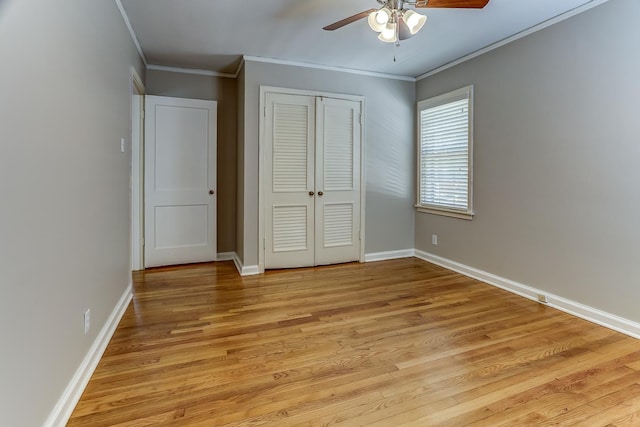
{"type": "Point", "coordinates": [446, 212]}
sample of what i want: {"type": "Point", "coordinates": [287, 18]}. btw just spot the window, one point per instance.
{"type": "Point", "coordinates": [445, 153]}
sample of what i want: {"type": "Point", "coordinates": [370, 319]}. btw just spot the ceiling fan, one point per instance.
{"type": "Point", "coordinates": [395, 23]}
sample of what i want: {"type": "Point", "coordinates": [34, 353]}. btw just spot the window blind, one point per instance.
{"type": "Point", "coordinates": [444, 155]}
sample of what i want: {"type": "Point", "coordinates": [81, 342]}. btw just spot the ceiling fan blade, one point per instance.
{"type": "Point", "coordinates": [453, 4]}
{"type": "Point", "coordinates": [349, 20]}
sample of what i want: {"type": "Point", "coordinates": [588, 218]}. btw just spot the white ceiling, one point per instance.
{"type": "Point", "coordinates": [214, 34]}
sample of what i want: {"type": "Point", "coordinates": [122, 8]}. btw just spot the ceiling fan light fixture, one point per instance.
{"type": "Point", "coordinates": [414, 21]}
{"type": "Point", "coordinates": [403, 30]}
{"type": "Point", "coordinates": [379, 19]}
{"type": "Point", "coordinates": [388, 35]}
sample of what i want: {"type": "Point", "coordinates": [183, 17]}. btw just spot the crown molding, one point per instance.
{"type": "Point", "coordinates": [528, 31]}
{"type": "Point", "coordinates": [191, 71]}
{"type": "Point", "coordinates": [248, 58]}
{"type": "Point", "coordinates": [132, 33]}
{"type": "Point", "coordinates": [240, 66]}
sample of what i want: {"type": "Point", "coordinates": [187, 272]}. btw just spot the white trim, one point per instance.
{"type": "Point", "coordinates": [225, 256]}
{"type": "Point", "coordinates": [445, 212]}
{"type": "Point", "coordinates": [261, 128]}
{"type": "Point", "coordinates": [262, 105]}
{"type": "Point", "coordinates": [328, 68]}
{"type": "Point", "coordinates": [528, 31]}
{"type": "Point", "coordinates": [137, 184]}
{"type": "Point", "coordinates": [61, 413]}
{"type": "Point", "coordinates": [363, 177]}
{"type": "Point", "coordinates": [383, 256]}
{"type": "Point", "coordinates": [303, 92]}
{"type": "Point", "coordinates": [250, 270]}
{"type": "Point", "coordinates": [237, 73]}
{"type": "Point", "coordinates": [137, 85]}
{"type": "Point", "coordinates": [574, 308]}
{"type": "Point", "coordinates": [246, 58]}
{"type": "Point", "coordinates": [190, 71]}
{"type": "Point", "coordinates": [132, 33]}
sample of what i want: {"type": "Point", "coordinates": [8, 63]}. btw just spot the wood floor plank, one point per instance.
{"type": "Point", "coordinates": [555, 399]}
{"type": "Point", "coordinates": [390, 343]}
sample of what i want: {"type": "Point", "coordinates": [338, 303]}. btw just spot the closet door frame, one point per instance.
{"type": "Point", "coordinates": [261, 165]}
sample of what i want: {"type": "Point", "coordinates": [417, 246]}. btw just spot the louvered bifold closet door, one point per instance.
{"type": "Point", "coordinates": [337, 181]}
{"type": "Point", "coordinates": [289, 180]}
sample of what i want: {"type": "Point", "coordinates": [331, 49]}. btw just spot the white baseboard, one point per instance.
{"type": "Point", "coordinates": [245, 270]}
{"type": "Point", "coordinates": [225, 256]}
{"type": "Point", "coordinates": [381, 256]}
{"type": "Point", "coordinates": [574, 308]}
{"type": "Point", "coordinates": [250, 270]}
{"type": "Point", "coordinates": [71, 395]}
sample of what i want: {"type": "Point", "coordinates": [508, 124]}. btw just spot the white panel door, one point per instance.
{"type": "Point", "coordinates": [180, 181]}
{"type": "Point", "coordinates": [289, 181]}
{"type": "Point", "coordinates": [337, 234]}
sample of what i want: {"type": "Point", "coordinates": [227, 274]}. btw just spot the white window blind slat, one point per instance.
{"type": "Point", "coordinates": [445, 149]}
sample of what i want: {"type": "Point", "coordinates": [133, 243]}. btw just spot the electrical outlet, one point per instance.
{"type": "Point", "coordinates": [542, 298]}
{"type": "Point", "coordinates": [87, 320]}
{"type": "Point", "coordinates": [434, 239]}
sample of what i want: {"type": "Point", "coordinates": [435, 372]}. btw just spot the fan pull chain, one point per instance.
{"type": "Point", "coordinates": [397, 47]}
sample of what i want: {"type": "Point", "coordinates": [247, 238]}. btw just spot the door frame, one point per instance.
{"type": "Point", "coordinates": [136, 180]}
{"type": "Point", "coordinates": [264, 90]}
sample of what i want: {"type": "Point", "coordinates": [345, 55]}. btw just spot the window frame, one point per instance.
{"type": "Point", "coordinates": [455, 95]}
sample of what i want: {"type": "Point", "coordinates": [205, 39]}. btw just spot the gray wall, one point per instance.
{"type": "Point", "coordinates": [64, 217]}
{"type": "Point", "coordinates": [223, 90]}
{"type": "Point", "coordinates": [389, 149]}
{"type": "Point", "coordinates": [557, 143]}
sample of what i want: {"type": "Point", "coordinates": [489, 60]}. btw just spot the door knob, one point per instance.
{"type": "Point", "coordinates": [320, 193]}
{"type": "Point", "coordinates": [212, 192]}
{"type": "Point", "coordinates": [311, 193]}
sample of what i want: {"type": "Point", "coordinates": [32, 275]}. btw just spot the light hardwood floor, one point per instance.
{"type": "Point", "coordinates": [391, 343]}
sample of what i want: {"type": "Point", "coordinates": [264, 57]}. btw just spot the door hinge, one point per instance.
{"type": "Point", "coordinates": [264, 111]}
{"type": "Point", "coordinates": [264, 243]}
{"type": "Point", "coordinates": [142, 241]}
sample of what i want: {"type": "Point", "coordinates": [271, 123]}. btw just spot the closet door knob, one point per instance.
{"type": "Point", "coordinates": [212, 192]}
{"type": "Point", "coordinates": [311, 193]}
{"type": "Point", "coordinates": [320, 193]}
